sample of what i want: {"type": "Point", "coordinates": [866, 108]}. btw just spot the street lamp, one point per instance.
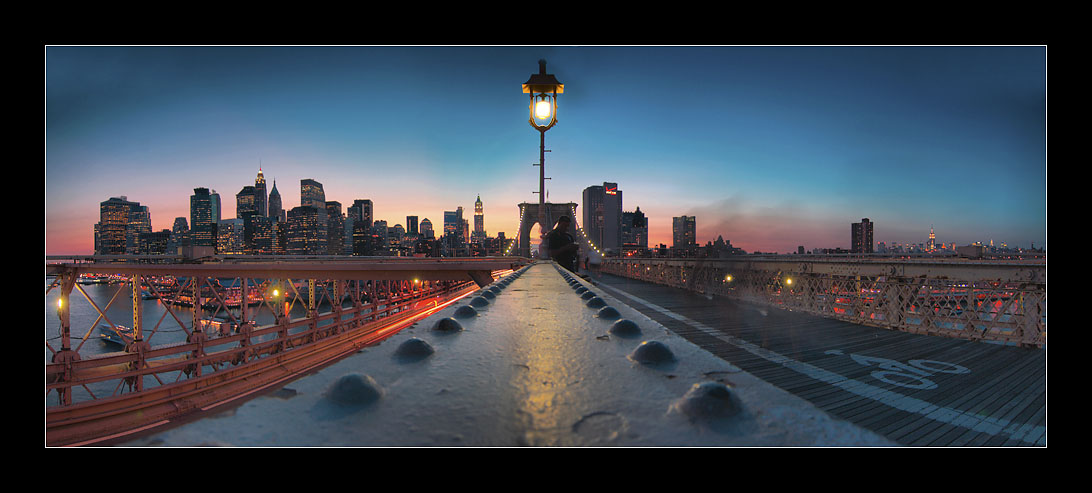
{"type": "Point", "coordinates": [542, 88]}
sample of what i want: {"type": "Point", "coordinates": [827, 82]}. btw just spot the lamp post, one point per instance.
{"type": "Point", "coordinates": [542, 89]}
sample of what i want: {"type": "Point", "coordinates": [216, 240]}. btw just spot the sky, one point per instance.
{"type": "Point", "coordinates": [770, 147]}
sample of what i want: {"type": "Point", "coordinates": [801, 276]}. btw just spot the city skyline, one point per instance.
{"type": "Point", "coordinates": [769, 147]}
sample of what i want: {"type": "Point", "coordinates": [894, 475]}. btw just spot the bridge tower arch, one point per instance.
{"type": "Point", "coordinates": [529, 217]}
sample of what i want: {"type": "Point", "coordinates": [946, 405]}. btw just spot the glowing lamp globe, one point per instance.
{"type": "Point", "coordinates": [543, 110]}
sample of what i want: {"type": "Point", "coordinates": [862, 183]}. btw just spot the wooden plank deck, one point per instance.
{"type": "Point", "coordinates": [915, 389]}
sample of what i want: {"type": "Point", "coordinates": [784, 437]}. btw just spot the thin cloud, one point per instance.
{"type": "Point", "coordinates": [776, 227]}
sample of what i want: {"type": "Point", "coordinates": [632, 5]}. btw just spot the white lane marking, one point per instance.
{"type": "Point", "coordinates": [983, 424]}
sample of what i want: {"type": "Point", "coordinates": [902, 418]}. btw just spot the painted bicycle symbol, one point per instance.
{"type": "Point", "coordinates": [911, 375]}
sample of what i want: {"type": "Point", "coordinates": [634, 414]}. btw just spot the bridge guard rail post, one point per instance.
{"type": "Point", "coordinates": [1033, 330]}
{"type": "Point", "coordinates": [65, 356]}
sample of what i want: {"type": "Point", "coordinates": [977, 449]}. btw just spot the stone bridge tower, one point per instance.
{"type": "Point", "coordinates": [528, 214]}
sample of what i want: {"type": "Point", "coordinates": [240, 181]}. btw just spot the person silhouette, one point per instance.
{"type": "Point", "coordinates": [560, 245]}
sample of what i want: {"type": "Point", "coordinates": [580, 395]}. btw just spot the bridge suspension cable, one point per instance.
{"type": "Point", "coordinates": [584, 237]}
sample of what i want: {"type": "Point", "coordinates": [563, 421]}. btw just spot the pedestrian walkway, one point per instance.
{"type": "Point", "coordinates": [533, 365]}
{"type": "Point", "coordinates": [917, 390]}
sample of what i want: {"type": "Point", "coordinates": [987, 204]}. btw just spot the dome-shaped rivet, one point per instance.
{"type": "Point", "coordinates": [652, 352]}
{"type": "Point", "coordinates": [354, 389]}
{"type": "Point", "coordinates": [448, 324]}
{"type": "Point", "coordinates": [608, 313]}
{"type": "Point", "coordinates": [625, 328]}
{"type": "Point", "coordinates": [466, 311]}
{"type": "Point", "coordinates": [414, 348]}
{"type": "Point", "coordinates": [709, 400]}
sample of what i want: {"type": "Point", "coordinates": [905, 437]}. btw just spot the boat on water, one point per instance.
{"type": "Point", "coordinates": [119, 335]}
{"type": "Point", "coordinates": [220, 326]}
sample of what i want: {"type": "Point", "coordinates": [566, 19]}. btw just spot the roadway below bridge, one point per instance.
{"type": "Point", "coordinates": [529, 360]}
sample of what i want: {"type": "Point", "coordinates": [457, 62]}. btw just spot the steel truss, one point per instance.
{"type": "Point", "coordinates": [994, 301]}
{"type": "Point", "coordinates": [221, 361]}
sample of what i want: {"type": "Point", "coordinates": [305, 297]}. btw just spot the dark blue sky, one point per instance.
{"type": "Point", "coordinates": [771, 147]}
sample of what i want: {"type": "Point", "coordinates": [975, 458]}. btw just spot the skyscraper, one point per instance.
{"type": "Point", "coordinates": [347, 235]}
{"type": "Point", "coordinates": [303, 236]}
{"type": "Point", "coordinates": [246, 202]}
{"type": "Point", "coordinates": [335, 228]}
{"type": "Point", "coordinates": [246, 210]}
{"type": "Point", "coordinates": [214, 200]}
{"type": "Point", "coordinates": [454, 238]}
{"type": "Point", "coordinates": [451, 222]}
{"type": "Point", "coordinates": [479, 219]}
{"type": "Point", "coordinates": [311, 194]}
{"type": "Point", "coordinates": [276, 210]}
{"type": "Point", "coordinates": [861, 237]}
{"type": "Point", "coordinates": [411, 225]}
{"type": "Point", "coordinates": [140, 221]}
{"type": "Point", "coordinates": [382, 233]}
{"type": "Point", "coordinates": [202, 224]}
{"type": "Point", "coordinates": [279, 233]}
{"type": "Point", "coordinates": [602, 220]}
{"type": "Point", "coordinates": [180, 226]}
{"type": "Point", "coordinates": [395, 235]}
{"type": "Point", "coordinates": [463, 230]}
{"type": "Point", "coordinates": [260, 194]}
{"type": "Point", "coordinates": [361, 211]}
{"type": "Point", "coordinates": [154, 242]}
{"type": "Point", "coordinates": [426, 229]}
{"type": "Point", "coordinates": [683, 231]}
{"type": "Point", "coordinates": [180, 234]}
{"type": "Point", "coordinates": [265, 235]}
{"type": "Point", "coordinates": [360, 214]}
{"type": "Point", "coordinates": [634, 230]}
{"type": "Point", "coordinates": [230, 237]}
{"type": "Point", "coordinates": [114, 225]}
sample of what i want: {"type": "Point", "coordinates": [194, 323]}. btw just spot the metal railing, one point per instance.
{"type": "Point", "coordinates": [980, 300]}
{"type": "Point", "coordinates": [226, 352]}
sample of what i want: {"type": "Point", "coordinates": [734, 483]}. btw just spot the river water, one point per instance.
{"type": "Point", "coordinates": [82, 315]}
{"type": "Point", "coordinates": [85, 320]}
